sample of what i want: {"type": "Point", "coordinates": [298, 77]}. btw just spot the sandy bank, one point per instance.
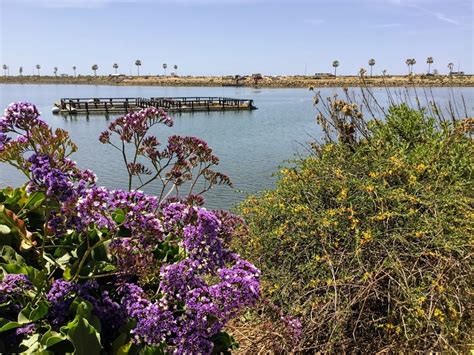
{"type": "Point", "coordinates": [266, 81]}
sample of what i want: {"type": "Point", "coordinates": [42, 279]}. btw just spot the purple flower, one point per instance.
{"type": "Point", "coordinates": [155, 322]}
{"type": "Point", "coordinates": [60, 297]}
{"type": "Point", "coordinates": [131, 258]}
{"type": "Point", "coordinates": [25, 330]}
{"type": "Point", "coordinates": [4, 139]}
{"type": "Point", "coordinates": [178, 278]}
{"type": "Point", "coordinates": [136, 123]}
{"type": "Point", "coordinates": [13, 284]}
{"type": "Point", "coordinates": [20, 116]}
{"type": "Point", "coordinates": [294, 328]}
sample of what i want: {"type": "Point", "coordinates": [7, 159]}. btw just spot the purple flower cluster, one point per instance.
{"type": "Point", "coordinates": [171, 274]}
{"type": "Point", "coordinates": [4, 139]}
{"type": "Point", "coordinates": [155, 322]}
{"type": "Point", "coordinates": [110, 313]}
{"type": "Point", "coordinates": [136, 123]}
{"type": "Point", "coordinates": [189, 310]}
{"type": "Point", "coordinates": [62, 293]}
{"type": "Point", "coordinates": [294, 328]}
{"type": "Point", "coordinates": [53, 181]}
{"type": "Point", "coordinates": [20, 116]}
{"type": "Point", "coordinates": [60, 297]}
{"type": "Point", "coordinates": [99, 204]}
{"type": "Point", "coordinates": [200, 230]}
{"type": "Point", "coordinates": [62, 181]}
{"type": "Point", "coordinates": [13, 286]}
{"type": "Point", "coordinates": [132, 259]}
{"type": "Point", "coordinates": [57, 178]}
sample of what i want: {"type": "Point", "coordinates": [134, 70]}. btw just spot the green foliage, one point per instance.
{"type": "Point", "coordinates": [369, 240]}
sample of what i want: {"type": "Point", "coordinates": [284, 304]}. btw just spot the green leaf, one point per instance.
{"type": "Point", "coordinates": [7, 325]}
{"type": "Point", "coordinates": [84, 330]}
{"type": "Point", "coordinates": [84, 337]}
{"type": "Point", "coordinates": [153, 350]}
{"type": "Point", "coordinates": [35, 200]}
{"type": "Point", "coordinates": [32, 314]}
{"type": "Point", "coordinates": [55, 342]}
{"type": "Point", "coordinates": [4, 229]}
{"type": "Point", "coordinates": [118, 216]}
{"type": "Point", "coordinates": [32, 344]}
{"type": "Point", "coordinates": [223, 343]}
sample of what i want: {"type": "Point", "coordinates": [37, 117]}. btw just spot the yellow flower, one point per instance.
{"type": "Point", "coordinates": [419, 312]}
{"type": "Point", "coordinates": [373, 174]}
{"type": "Point", "coordinates": [421, 168]}
{"type": "Point", "coordinates": [439, 314]}
{"type": "Point", "coordinates": [366, 237]}
{"type": "Point", "coordinates": [338, 173]}
{"type": "Point", "coordinates": [370, 188]}
{"type": "Point", "coordinates": [325, 223]}
{"type": "Point", "coordinates": [342, 194]}
{"type": "Point", "coordinates": [412, 179]}
{"type": "Point", "coordinates": [382, 216]}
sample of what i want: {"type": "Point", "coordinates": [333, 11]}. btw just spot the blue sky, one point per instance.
{"type": "Point", "coordinates": [218, 37]}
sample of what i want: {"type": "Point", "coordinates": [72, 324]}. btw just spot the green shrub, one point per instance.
{"type": "Point", "coordinates": [369, 239]}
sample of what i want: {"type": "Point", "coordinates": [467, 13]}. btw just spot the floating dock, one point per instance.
{"type": "Point", "coordinates": [99, 106]}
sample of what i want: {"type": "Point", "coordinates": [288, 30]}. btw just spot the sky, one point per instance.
{"type": "Point", "coordinates": [228, 37]}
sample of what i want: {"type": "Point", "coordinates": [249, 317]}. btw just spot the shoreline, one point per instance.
{"type": "Point", "coordinates": [265, 82]}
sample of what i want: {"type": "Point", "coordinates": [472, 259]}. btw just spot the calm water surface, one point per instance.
{"type": "Point", "coordinates": [250, 145]}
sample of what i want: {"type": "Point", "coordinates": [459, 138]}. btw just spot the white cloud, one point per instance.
{"type": "Point", "coordinates": [444, 18]}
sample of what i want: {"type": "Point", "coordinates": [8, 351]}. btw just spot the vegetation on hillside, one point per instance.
{"type": "Point", "coordinates": [368, 240]}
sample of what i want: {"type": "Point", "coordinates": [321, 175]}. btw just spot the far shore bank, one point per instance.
{"type": "Point", "coordinates": [264, 82]}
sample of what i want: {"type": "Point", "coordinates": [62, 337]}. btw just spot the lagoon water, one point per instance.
{"type": "Point", "coordinates": [251, 145]}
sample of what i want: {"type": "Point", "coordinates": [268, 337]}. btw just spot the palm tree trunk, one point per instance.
{"type": "Point", "coordinates": [371, 70]}
{"type": "Point", "coordinates": [429, 67]}
{"type": "Point", "coordinates": [335, 71]}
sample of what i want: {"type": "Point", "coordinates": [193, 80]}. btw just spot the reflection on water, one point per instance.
{"type": "Point", "coordinates": [250, 144]}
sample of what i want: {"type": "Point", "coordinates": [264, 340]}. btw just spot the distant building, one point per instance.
{"type": "Point", "coordinates": [323, 75]}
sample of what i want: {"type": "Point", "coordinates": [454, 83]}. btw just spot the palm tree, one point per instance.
{"type": "Point", "coordinates": [164, 67]}
{"type": "Point", "coordinates": [138, 62]}
{"type": "Point", "coordinates": [371, 63]}
{"type": "Point", "coordinates": [384, 72]}
{"type": "Point", "coordinates": [74, 68]}
{"type": "Point", "coordinates": [413, 62]}
{"type": "Point", "coordinates": [430, 61]}
{"type": "Point", "coordinates": [115, 66]}
{"type": "Point", "coordinates": [450, 67]}
{"type": "Point", "coordinates": [55, 71]}
{"type": "Point", "coordinates": [38, 67]}
{"type": "Point", "coordinates": [5, 67]}
{"type": "Point", "coordinates": [335, 64]}
{"type": "Point", "coordinates": [94, 69]}
{"type": "Point", "coordinates": [20, 70]}
{"type": "Point", "coordinates": [175, 67]}
{"type": "Point", "coordinates": [410, 62]}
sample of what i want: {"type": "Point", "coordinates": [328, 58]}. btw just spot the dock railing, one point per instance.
{"type": "Point", "coordinates": [127, 104]}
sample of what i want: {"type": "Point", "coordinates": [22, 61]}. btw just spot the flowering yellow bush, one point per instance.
{"type": "Point", "coordinates": [369, 241]}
